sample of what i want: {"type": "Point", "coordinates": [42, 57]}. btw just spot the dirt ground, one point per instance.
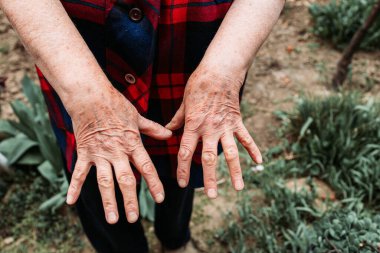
{"type": "Point", "coordinates": [292, 63]}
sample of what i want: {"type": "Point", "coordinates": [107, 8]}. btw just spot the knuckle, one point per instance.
{"type": "Point", "coordinates": [192, 119]}
{"type": "Point", "coordinates": [108, 204]}
{"type": "Point", "coordinates": [182, 172]}
{"type": "Point", "coordinates": [104, 181]}
{"type": "Point", "coordinates": [184, 153]}
{"type": "Point", "coordinates": [73, 188]}
{"type": "Point", "coordinates": [131, 205]}
{"type": "Point", "coordinates": [247, 141]}
{"type": "Point", "coordinates": [235, 172]}
{"type": "Point", "coordinates": [154, 186]}
{"type": "Point", "coordinates": [174, 121]}
{"type": "Point", "coordinates": [78, 176]}
{"type": "Point", "coordinates": [216, 121]}
{"type": "Point", "coordinates": [210, 181]}
{"type": "Point", "coordinates": [193, 122]}
{"type": "Point", "coordinates": [231, 153]}
{"type": "Point", "coordinates": [156, 126]}
{"type": "Point", "coordinates": [126, 180]}
{"type": "Point", "coordinates": [209, 158]}
{"type": "Point", "coordinates": [147, 168]}
{"type": "Point", "coordinates": [132, 141]}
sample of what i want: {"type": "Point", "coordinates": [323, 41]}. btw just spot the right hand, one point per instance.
{"type": "Point", "coordinates": [107, 130]}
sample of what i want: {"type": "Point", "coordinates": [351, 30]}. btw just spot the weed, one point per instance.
{"type": "Point", "coordinates": [338, 21]}
{"type": "Point", "coordinates": [30, 142]}
{"type": "Point", "coordinates": [337, 140]}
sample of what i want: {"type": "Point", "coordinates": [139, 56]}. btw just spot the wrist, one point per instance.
{"type": "Point", "coordinates": [84, 94]}
{"type": "Point", "coordinates": [213, 71]}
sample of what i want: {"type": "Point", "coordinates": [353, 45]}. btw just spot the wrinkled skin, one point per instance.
{"type": "Point", "coordinates": [107, 133]}
{"type": "Point", "coordinates": [210, 111]}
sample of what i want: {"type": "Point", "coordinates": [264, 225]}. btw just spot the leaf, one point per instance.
{"type": "Point", "coordinates": [47, 141]}
{"type": "Point", "coordinates": [305, 127]}
{"type": "Point", "coordinates": [32, 157]}
{"type": "Point", "coordinates": [48, 172]}
{"type": "Point", "coordinates": [53, 203]}
{"type": "Point", "coordinates": [146, 202]}
{"type": "Point", "coordinates": [26, 119]}
{"type": "Point", "coordinates": [15, 147]}
{"type": "Point", "coordinates": [64, 186]}
{"type": "Point", "coordinates": [31, 91]}
{"type": "Point", "coordinates": [281, 115]}
{"type": "Point", "coordinates": [7, 128]}
{"type": "Point", "coordinates": [49, 149]}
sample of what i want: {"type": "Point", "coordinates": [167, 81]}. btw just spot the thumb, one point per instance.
{"type": "Point", "coordinates": [153, 129]}
{"type": "Point", "coordinates": [178, 119]}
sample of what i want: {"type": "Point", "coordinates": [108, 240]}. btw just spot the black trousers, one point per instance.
{"type": "Point", "coordinates": [172, 218]}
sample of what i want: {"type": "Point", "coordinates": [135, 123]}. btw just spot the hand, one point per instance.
{"type": "Point", "coordinates": [107, 130]}
{"type": "Point", "coordinates": [210, 111]}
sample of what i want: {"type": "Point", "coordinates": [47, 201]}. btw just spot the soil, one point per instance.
{"type": "Point", "coordinates": [291, 64]}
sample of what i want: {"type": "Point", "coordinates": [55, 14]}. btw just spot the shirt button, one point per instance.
{"type": "Point", "coordinates": [130, 78]}
{"type": "Point", "coordinates": [135, 14]}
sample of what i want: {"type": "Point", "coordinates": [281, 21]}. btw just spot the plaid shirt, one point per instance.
{"type": "Point", "coordinates": [148, 49]}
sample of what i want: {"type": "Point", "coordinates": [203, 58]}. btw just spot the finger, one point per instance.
{"type": "Point", "coordinates": [107, 190]}
{"type": "Point", "coordinates": [246, 140]}
{"type": "Point", "coordinates": [153, 129]}
{"type": "Point", "coordinates": [127, 185]}
{"type": "Point", "coordinates": [178, 119]}
{"type": "Point", "coordinates": [232, 157]}
{"type": "Point", "coordinates": [145, 165]}
{"type": "Point", "coordinates": [209, 162]}
{"type": "Point", "coordinates": [188, 145]}
{"type": "Point", "coordinates": [82, 167]}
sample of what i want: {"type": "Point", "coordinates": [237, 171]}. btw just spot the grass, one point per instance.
{"type": "Point", "coordinates": [337, 21]}
{"type": "Point", "coordinates": [336, 140]}
{"type": "Point", "coordinates": [29, 228]}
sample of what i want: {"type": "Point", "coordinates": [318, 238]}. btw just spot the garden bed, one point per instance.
{"type": "Point", "coordinates": [291, 64]}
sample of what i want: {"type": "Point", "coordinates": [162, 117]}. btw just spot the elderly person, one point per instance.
{"type": "Point", "coordinates": [113, 72]}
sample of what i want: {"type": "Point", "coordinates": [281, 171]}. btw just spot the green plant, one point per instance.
{"type": "Point", "coordinates": [339, 20]}
{"type": "Point", "coordinates": [338, 140]}
{"type": "Point", "coordinates": [335, 139]}
{"type": "Point", "coordinates": [275, 226]}
{"type": "Point", "coordinates": [146, 202]}
{"type": "Point", "coordinates": [30, 141]}
{"type": "Point", "coordinates": [31, 229]}
{"type": "Point", "coordinates": [346, 232]}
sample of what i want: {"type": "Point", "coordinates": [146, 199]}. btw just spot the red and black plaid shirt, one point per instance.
{"type": "Point", "coordinates": [148, 49]}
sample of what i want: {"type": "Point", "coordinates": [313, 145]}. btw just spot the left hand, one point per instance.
{"type": "Point", "coordinates": [210, 111]}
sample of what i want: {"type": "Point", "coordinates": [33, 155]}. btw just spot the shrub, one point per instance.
{"type": "Point", "coordinates": [31, 229]}
{"type": "Point", "coordinates": [339, 20]}
{"type": "Point", "coordinates": [272, 228]}
{"type": "Point", "coordinates": [30, 142]}
{"type": "Point", "coordinates": [346, 232]}
{"type": "Point", "coordinates": [338, 140]}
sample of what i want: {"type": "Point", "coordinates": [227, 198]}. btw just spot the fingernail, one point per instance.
{"type": "Point", "coordinates": [182, 183]}
{"type": "Point", "coordinates": [211, 193]}
{"type": "Point", "coordinates": [69, 199]}
{"type": "Point", "coordinates": [259, 159]}
{"type": "Point", "coordinates": [112, 217]}
{"type": "Point", "coordinates": [239, 185]}
{"type": "Point", "coordinates": [132, 217]}
{"type": "Point", "coordinates": [160, 197]}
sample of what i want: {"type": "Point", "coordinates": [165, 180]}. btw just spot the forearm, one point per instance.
{"type": "Point", "coordinates": [241, 34]}
{"type": "Point", "coordinates": [57, 48]}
